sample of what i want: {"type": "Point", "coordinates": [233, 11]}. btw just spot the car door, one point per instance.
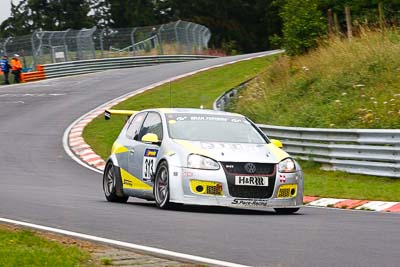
{"type": "Point", "coordinates": [144, 158]}
{"type": "Point", "coordinates": [132, 140]}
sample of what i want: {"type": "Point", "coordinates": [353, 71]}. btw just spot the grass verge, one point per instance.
{"type": "Point", "coordinates": [192, 92]}
{"type": "Point", "coordinates": [339, 184]}
{"type": "Point", "coordinates": [203, 89]}
{"type": "Point", "coordinates": [24, 248]}
{"type": "Point", "coordinates": [342, 84]}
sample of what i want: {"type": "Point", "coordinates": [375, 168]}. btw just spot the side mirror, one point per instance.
{"type": "Point", "coordinates": [150, 138]}
{"type": "Point", "coordinates": [276, 143]}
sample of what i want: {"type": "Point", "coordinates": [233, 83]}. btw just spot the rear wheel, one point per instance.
{"type": "Point", "coordinates": [112, 184]}
{"type": "Point", "coordinates": [286, 210]}
{"type": "Point", "coordinates": [161, 187]}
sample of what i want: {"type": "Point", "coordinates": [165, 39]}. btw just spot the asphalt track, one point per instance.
{"type": "Point", "coordinates": [40, 184]}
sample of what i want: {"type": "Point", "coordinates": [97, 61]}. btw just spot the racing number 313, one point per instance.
{"type": "Point", "coordinates": [148, 168]}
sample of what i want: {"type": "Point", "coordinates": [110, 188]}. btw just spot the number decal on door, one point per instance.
{"type": "Point", "coordinates": [148, 168]}
{"type": "Point", "coordinates": [149, 164]}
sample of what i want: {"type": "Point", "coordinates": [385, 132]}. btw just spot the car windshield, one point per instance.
{"type": "Point", "coordinates": [212, 128]}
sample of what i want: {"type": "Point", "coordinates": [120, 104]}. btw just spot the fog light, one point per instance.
{"type": "Point", "coordinates": [199, 188]}
{"type": "Point", "coordinates": [293, 192]}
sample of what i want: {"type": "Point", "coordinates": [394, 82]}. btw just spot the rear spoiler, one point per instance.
{"type": "Point", "coordinates": [108, 112]}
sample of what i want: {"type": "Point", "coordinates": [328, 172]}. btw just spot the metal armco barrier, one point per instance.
{"type": "Point", "coordinates": [362, 151]}
{"type": "Point", "coordinates": [95, 65]}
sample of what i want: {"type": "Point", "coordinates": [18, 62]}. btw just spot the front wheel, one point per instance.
{"type": "Point", "coordinates": [112, 185]}
{"type": "Point", "coordinates": [286, 210]}
{"type": "Point", "coordinates": [161, 187]}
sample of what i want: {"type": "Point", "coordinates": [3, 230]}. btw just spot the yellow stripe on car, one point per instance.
{"type": "Point", "coordinates": [117, 148]}
{"type": "Point", "coordinates": [131, 182]}
{"type": "Point", "coordinates": [277, 152]}
{"type": "Point", "coordinates": [193, 149]}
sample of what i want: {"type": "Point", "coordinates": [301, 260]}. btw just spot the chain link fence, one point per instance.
{"type": "Point", "coordinates": [43, 47]}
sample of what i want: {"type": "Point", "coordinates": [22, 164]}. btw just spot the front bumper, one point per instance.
{"type": "Point", "coordinates": [182, 190]}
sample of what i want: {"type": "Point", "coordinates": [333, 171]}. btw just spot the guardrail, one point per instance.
{"type": "Point", "coordinates": [94, 65]}
{"type": "Point", "coordinates": [362, 151]}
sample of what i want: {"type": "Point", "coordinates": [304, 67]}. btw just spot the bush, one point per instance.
{"type": "Point", "coordinates": [303, 25]}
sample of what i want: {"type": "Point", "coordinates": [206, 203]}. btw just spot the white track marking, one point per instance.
{"type": "Point", "coordinates": [325, 202]}
{"type": "Point", "coordinates": [376, 205]}
{"type": "Point", "coordinates": [150, 250]}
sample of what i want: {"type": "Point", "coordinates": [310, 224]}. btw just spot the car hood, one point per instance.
{"type": "Point", "coordinates": [235, 152]}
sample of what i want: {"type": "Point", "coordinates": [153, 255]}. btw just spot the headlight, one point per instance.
{"type": "Point", "coordinates": [287, 165]}
{"type": "Point", "coordinates": [200, 162]}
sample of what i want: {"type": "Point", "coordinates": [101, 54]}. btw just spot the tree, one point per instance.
{"type": "Point", "coordinates": [100, 13]}
{"type": "Point", "coordinates": [132, 13]}
{"type": "Point", "coordinates": [303, 25]}
{"type": "Point", "coordinates": [18, 23]}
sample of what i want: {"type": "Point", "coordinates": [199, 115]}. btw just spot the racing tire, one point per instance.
{"type": "Point", "coordinates": [112, 184]}
{"type": "Point", "coordinates": [161, 187]}
{"type": "Point", "coordinates": [286, 210]}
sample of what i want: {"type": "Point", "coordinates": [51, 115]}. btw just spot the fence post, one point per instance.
{"type": "Point", "coordinates": [133, 41]}
{"type": "Point", "coordinates": [176, 31]}
{"type": "Point", "coordinates": [65, 44]}
{"type": "Point", "coordinates": [53, 59]}
{"type": "Point", "coordinates": [194, 37]}
{"type": "Point", "coordinates": [187, 32]}
{"type": "Point", "coordinates": [5, 44]}
{"type": "Point", "coordinates": [348, 22]}
{"type": "Point", "coordinates": [159, 39]}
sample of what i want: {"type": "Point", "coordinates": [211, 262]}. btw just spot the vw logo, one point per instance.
{"type": "Point", "coordinates": [250, 167]}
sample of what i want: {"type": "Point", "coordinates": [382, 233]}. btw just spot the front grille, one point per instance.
{"type": "Point", "coordinates": [265, 169]}
{"type": "Point", "coordinates": [212, 190]}
{"type": "Point", "coordinates": [238, 168]}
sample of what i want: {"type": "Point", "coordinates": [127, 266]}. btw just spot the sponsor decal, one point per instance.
{"type": "Point", "coordinates": [282, 178]}
{"type": "Point", "coordinates": [251, 180]}
{"type": "Point", "coordinates": [128, 183]}
{"type": "Point", "coordinates": [250, 202]}
{"type": "Point", "coordinates": [234, 147]}
{"type": "Point", "coordinates": [187, 174]}
{"type": "Point", "coordinates": [149, 164]}
{"type": "Point", "coordinates": [151, 153]}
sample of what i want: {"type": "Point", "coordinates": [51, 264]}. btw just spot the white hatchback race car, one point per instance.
{"type": "Point", "coordinates": [200, 157]}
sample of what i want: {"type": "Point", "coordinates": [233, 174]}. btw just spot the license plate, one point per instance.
{"type": "Point", "coordinates": [251, 180]}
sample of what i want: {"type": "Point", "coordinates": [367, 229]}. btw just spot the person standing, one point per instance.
{"type": "Point", "coordinates": [5, 68]}
{"type": "Point", "coordinates": [16, 68]}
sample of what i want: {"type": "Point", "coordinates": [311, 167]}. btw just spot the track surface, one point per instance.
{"type": "Point", "coordinates": [40, 184]}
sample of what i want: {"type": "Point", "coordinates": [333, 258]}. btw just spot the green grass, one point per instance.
{"type": "Point", "coordinates": [195, 91]}
{"type": "Point", "coordinates": [339, 184]}
{"type": "Point", "coordinates": [340, 85]}
{"type": "Point", "coordinates": [203, 89]}
{"type": "Point", "coordinates": [24, 248]}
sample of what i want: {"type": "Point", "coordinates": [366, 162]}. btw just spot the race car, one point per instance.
{"type": "Point", "coordinates": [200, 157]}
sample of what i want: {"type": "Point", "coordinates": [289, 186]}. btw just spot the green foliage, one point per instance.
{"type": "Point", "coordinates": [24, 248]}
{"type": "Point", "coordinates": [340, 85]}
{"type": "Point", "coordinates": [338, 184]}
{"type": "Point", "coordinates": [303, 25]}
{"type": "Point", "coordinates": [194, 91]}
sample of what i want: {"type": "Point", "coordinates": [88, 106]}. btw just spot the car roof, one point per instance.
{"type": "Point", "coordinates": [195, 111]}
